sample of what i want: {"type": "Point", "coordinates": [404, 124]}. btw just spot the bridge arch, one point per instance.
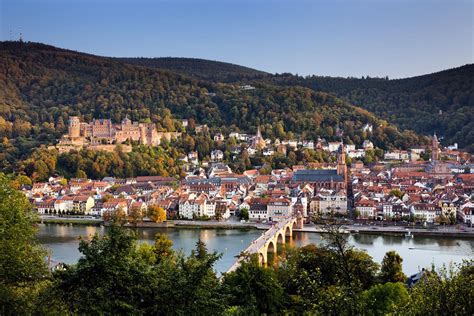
{"type": "Point", "coordinates": [280, 238]}
{"type": "Point", "coordinates": [262, 259]}
{"type": "Point", "coordinates": [271, 250]}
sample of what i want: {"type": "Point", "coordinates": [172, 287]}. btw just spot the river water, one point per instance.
{"type": "Point", "coordinates": [417, 252]}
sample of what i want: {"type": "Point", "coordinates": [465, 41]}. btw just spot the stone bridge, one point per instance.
{"type": "Point", "coordinates": [269, 241]}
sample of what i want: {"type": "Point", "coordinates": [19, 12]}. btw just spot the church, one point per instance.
{"type": "Point", "coordinates": [333, 179]}
{"type": "Point", "coordinates": [438, 169]}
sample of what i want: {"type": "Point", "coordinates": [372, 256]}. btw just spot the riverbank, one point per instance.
{"type": "Point", "coordinates": [448, 231]}
{"type": "Point", "coordinates": [71, 221]}
{"type": "Point", "coordinates": [194, 225]}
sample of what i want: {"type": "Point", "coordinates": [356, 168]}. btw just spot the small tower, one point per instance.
{"type": "Point", "coordinates": [341, 163]}
{"type": "Point", "coordinates": [258, 142]}
{"type": "Point", "coordinates": [434, 148]}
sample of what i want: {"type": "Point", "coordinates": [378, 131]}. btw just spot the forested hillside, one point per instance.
{"type": "Point", "coordinates": [199, 68]}
{"type": "Point", "coordinates": [441, 102]}
{"type": "Point", "coordinates": [41, 86]}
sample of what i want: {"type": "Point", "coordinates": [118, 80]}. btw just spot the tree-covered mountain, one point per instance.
{"type": "Point", "coordinates": [41, 86]}
{"type": "Point", "coordinates": [441, 102]}
{"type": "Point", "coordinates": [199, 68]}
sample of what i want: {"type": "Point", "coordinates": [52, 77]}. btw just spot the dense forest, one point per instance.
{"type": "Point", "coordinates": [116, 275]}
{"type": "Point", "coordinates": [199, 68]}
{"type": "Point", "coordinates": [441, 102]}
{"type": "Point", "coordinates": [41, 86]}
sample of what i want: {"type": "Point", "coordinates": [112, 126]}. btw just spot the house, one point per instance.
{"type": "Point", "coordinates": [219, 137]}
{"type": "Point", "coordinates": [309, 144]}
{"type": "Point", "coordinates": [268, 152]}
{"type": "Point", "coordinates": [113, 205]}
{"type": "Point", "coordinates": [332, 202]}
{"type": "Point", "coordinates": [44, 207]}
{"type": "Point", "coordinates": [424, 211]}
{"type": "Point", "coordinates": [82, 204]}
{"type": "Point", "coordinates": [367, 144]}
{"type": "Point", "coordinates": [278, 208]}
{"type": "Point", "coordinates": [394, 210]}
{"type": "Point", "coordinates": [192, 206]}
{"type": "Point", "coordinates": [366, 209]}
{"type": "Point", "coordinates": [466, 213]}
{"type": "Point", "coordinates": [193, 158]}
{"type": "Point", "coordinates": [396, 155]}
{"type": "Point", "coordinates": [217, 155]}
{"type": "Point", "coordinates": [63, 204]}
{"type": "Point", "coordinates": [258, 209]}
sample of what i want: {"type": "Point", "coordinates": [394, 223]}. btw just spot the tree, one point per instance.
{"type": "Point", "coordinates": [81, 174]}
{"type": "Point", "coordinates": [23, 270]}
{"type": "Point", "coordinates": [397, 193]}
{"type": "Point", "coordinates": [443, 292]}
{"type": "Point", "coordinates": [156, 213]}
{"type": "Point", "coordinates": [135, 215]}
{"type": "Point", "coordinates": [109, 278]}
{"type": "Point", "coordinates": [384, 299]}
{"type": "Point", "coordinates": [252, 289]}
{"type": "Point", "coordinates": [244, 214]}
{"type": "Point", "coordinates": [391, 270]}
{"type": "Point", "coordinates": [163, 247]}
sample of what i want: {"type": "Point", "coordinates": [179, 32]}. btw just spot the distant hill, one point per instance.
{"type": "Point", "coordinates": [199, 68]}
{"type": "Point", "coordinates": [41, 86]}
{"type": "Point", "coordinates": [441, 102]}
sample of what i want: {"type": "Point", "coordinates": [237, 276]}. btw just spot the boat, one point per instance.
{"type": "Point", "coordinates": [408, 234]}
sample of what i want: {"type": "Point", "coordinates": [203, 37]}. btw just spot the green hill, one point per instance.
{"type": "Point", "coordinates": [41, 86]}
{"type": "Point", "coordinates": [199, 68]}
{"type": "Point", "coordinates": [441, 102]}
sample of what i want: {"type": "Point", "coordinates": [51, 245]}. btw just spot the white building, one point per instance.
{"type": "Point", "coordinates": [424, 211]}
{"type": "Point", "coordinates": [217, 155]}
{"type": "Point", "coordinates": [367, 144]}
{"type": "Point", "coordinates": [279, 208]}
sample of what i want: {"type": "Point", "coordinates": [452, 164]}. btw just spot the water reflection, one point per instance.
{"type": "Point", "coordinates": [417, 252]}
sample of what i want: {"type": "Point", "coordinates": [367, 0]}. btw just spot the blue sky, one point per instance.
{"type": "Point", "coordinates": [337, 38]}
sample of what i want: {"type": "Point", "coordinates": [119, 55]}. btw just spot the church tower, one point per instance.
{"type": "Point", "coordinates": [258, 141]}
{"type": "Point", "coordinates": [435, 148]}
{"type": "Point", "coordinates": [341, 163]}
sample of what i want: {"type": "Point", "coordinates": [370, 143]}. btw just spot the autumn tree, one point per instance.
{"type": "Point", "coordinates": [156, 213]}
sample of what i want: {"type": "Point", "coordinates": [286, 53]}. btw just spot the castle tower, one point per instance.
{"type": "Point", "coordinates": [74, 128]}
{"type": "Point", "coordinates": [434, 148]}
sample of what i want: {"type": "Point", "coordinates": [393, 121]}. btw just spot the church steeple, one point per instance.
{"type": "Point", "coordinates": [434, 148]}
{"type": "Point", "coordinates": [341, 162]}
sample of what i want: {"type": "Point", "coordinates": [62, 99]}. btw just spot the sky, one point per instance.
{"type": "Point", "coordinates": [395, 38]}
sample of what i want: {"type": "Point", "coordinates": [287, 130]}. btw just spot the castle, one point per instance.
{"type": "Point", "coordinates": [102, 132]}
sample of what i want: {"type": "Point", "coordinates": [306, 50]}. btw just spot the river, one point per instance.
{"type": "Point", "coordinates": [417, 252]}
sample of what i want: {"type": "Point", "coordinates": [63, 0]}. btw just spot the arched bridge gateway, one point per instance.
{"type": "Point", "coordinates": [269, 241]}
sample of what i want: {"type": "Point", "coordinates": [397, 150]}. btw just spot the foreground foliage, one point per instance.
{"type": "Point", "coordinates": [116, 275]}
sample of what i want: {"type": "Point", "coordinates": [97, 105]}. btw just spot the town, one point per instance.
{"type": "Point", "coordinates": [400, 188]}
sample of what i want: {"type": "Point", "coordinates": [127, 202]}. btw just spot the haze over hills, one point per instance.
{"type": "Point", "coordinates": [441, 102]}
